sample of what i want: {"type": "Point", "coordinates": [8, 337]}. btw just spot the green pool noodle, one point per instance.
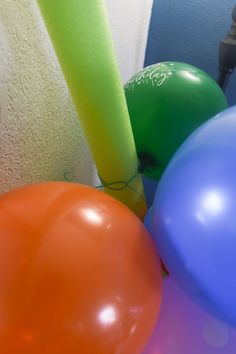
{"type": "Point", "coordinates": [80, 33]}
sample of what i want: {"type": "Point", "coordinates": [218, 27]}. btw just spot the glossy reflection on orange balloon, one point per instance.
{"type": "Point", "coordinates": [78, 273]}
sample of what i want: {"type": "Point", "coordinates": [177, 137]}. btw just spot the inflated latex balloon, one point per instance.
{"type": "Point", "coordinates": [78, 273]}
{"type": "Point", "coordinates": [194, 223]}
{"type": "Point", "coordinates": [166, 103]}
{"type": "Point", "coordinates": [150, 187]}
{"type": "Point", "coordinates": [148, 220]}
{"type": "Point", "coordinates": [185, 328]}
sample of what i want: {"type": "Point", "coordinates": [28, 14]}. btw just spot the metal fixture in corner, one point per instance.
{"type": "Point", "coordinates": [227, 54]}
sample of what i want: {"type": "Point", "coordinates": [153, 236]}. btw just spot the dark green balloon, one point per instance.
{"type": "Point", "coordinates": [166, 103]}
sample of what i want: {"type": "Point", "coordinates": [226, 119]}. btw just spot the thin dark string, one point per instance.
{"type": "Point", "coordinates": [123, 185]}
{"type": "Point", "coordinates": [115, 186]}
{"type": "Point", "coordinates": [111, 185]}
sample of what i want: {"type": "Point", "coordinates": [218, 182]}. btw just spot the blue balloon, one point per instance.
{"type": "Point", "coordinates": [150, 187]}
{"type": "Point", "coordinates": [148, 220]}
{"type": "Point", "coordinates": [194, 216]}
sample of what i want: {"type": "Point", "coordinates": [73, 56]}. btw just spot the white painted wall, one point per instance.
{"type": "Point", "coordinates": [40, 135]}
{"type": "Point", "coordinates": [129, 23]}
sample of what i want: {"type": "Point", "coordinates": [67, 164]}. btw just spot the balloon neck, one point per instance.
{"type": "Point", "coordinates": [146, 161]}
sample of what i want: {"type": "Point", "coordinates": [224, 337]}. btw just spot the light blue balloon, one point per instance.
{"type": "Point", "coordinates": [194, 216]}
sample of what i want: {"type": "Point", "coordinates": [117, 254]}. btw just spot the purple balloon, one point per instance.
{"type": "Point", "coordinates": [185, 328]}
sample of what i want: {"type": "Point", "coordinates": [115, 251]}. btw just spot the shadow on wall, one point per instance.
{"type": "Point", "coordinates": [190, 31]}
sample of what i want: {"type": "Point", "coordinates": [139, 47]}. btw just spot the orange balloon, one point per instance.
{"type": "Point", "coordinates": [78, 273]}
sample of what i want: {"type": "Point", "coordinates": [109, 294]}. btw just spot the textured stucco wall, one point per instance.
{"type": "Point", "coordinates": [41, 137]}
{"type": "Point", "coordinates": [190, 31]}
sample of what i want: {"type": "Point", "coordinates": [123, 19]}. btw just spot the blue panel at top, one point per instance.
{"type": "Point", "coordinates": [190, 31]}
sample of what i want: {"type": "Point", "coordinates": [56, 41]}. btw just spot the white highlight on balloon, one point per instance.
{"type": "Point", "coordinates": [93, 217]}
{"type": "Point", "coordinates": [191, 76]}
{"type": "Point", "coordinates": [212, 203]}
{"type": "Point", "coordinates": [107, 316]}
